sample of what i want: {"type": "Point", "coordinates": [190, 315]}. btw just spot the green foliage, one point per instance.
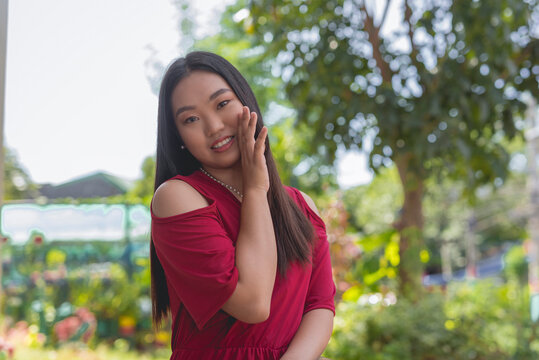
{"type": "Point", "coordinates": [108, 292]}
{"type": "Point", "coordinates": [404, 331]}
{"type": "Point", "coordinates": [17, 182]}
{"type": "Point", "coordinates": [375, 207]}
{"type": "Point", "coordinates": [45, 283]}
{"type": "Point", "coordinates": [142, 191]}
{"type": "Point", "coordinates": [446, 220]}
{"type": "Point", "coordinates": [495, 319]}
{"type": "Point", "coordinates": [55, 258]}
{"type": "Point", "coordinates": [377, 267]}
{"type": "Point", "coordinates": [516, 265]}
{"type": "Point", "coordinates": [501, 213]}
{"type": "Point", "coordinates": [479, 320]}
{"type": "Point", "coordinates": [412, 99]}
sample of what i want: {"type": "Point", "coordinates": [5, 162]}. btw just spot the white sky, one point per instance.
{"type": "Point", "coordinates": [77, 95]}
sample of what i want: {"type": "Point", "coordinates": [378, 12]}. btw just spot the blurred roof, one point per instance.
{"type": "Point", "coordinates": [98, 184]}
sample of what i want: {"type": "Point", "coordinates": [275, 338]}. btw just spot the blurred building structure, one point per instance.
{"type": "Point", "coordinates": [99, 184]}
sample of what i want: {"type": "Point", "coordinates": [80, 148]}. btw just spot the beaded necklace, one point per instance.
{"type": "Point", "coordinates": [233, 189]}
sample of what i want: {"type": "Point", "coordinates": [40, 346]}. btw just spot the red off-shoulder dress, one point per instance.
{"type": "Point", "coordinates": [196, 250]}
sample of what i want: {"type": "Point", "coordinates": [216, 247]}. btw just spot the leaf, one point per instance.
{"type": "Point", "coordinates": [352, 294]}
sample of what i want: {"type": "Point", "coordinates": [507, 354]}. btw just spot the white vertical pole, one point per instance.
{"type": "Point", "coordinates": [3, 57]}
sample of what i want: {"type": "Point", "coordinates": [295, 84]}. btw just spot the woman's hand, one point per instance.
{"type": "Point", "coordinates": [312, 336]}
{"type": "Point", "coordinates": [253, 163]}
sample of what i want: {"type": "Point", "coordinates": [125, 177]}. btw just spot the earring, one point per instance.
{"type": "Point", "coordinates": [182, 147]}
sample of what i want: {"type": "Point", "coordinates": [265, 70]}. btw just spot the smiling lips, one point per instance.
{"type": "Point", "coordinates": [222, 144]}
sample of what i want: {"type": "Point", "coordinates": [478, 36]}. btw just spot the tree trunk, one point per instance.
{"type": "Point", "coordinates": [410, 227]}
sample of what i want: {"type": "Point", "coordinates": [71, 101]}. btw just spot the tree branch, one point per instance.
{"type": "Point", "coordinates": [374, 39]}
{"type": "Point", "coordinates": [414, 51]}
{"type": "Point", "coordinates": [363, 5]}
{"type": "Point", "coordinates": [407, 19]}
{"type": "Point", "coordinates": [384, 15]}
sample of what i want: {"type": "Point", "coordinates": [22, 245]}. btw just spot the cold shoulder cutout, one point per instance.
{"type": "Point", "coordinates": [176, 197]}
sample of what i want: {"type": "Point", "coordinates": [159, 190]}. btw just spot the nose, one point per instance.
{"type": "Point", "coordinates": [213, 125]}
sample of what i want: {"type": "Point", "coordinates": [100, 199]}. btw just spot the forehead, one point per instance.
{"type": "Point", "coordinates": [196, 88]}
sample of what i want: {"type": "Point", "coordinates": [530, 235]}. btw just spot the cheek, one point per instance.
{"type": "Point", "coordinates": [189, 136]}
{"type": "Point", "coordinates": [234, 113]}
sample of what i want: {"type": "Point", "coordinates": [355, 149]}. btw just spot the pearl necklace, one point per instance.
{"type": "Point", "coordinates": [234, 190]}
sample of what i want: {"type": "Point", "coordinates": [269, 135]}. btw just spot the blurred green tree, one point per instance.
{"type": "Point", "coordinates": [433, 90]}
{"type": "Point", "coordinates": [142, 190]}
{"type": "Point", "coordinates": [17, 182]}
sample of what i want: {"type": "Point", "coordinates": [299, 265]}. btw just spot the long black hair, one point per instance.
{"type": "Point", "coordinates": [293, 231]}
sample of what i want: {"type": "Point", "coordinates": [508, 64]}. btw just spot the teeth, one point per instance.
{"type": "Point", "coordinates": [222, 143]}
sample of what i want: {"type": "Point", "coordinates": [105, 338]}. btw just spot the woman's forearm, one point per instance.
{"type": "Point", "coordinates": [312, 336]}
{"type": "Point", "coordinates": [256, 260]}
{"type": "Point", "coordinates": [256, 249]}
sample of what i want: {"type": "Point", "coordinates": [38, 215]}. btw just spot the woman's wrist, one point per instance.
{"type": "Point", "coordinates": [287, 356]}
{"type": "Point", "coordinates": [255, 191]}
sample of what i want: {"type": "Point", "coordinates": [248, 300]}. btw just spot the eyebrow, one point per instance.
{"type": "Point", "coordinates": [212, 96]}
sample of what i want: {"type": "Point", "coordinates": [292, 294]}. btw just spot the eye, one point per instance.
{"type": "Point", "coordinates": [222, 104]}
{"type": "Point", "coordinates": [190, 119]}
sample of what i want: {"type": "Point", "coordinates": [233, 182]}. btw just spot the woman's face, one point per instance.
{"type": "Point", "coordinates": [206, 112]}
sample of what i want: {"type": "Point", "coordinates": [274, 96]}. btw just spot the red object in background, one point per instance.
{"type": "Point", "coordinates": [127, 331]}
{"type": "Point", "coordinates": [38, 240]}
{"type": "Point", "coordinates": [7, 347]}
{"type": "Point", "coordinates": [471, 271]}
{"type": "Point", "coordinates": [67, 328]}
{"type": "Point", "coordinates": [127, 325]}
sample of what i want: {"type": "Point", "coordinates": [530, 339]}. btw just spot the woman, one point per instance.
{"type": "Point", "coordinates": [240, 261]}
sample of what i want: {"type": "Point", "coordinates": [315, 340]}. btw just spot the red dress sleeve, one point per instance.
{"type": "Point", "coordinates": [198, 258]}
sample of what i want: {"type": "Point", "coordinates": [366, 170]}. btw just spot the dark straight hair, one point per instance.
{"type": "Point", "coordinates": [293, 231]}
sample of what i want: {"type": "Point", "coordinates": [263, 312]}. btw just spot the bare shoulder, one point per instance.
{"type": "Point", "coordinates": [310, 202]}
{"type": "Point", "coordinates": [176, 197]}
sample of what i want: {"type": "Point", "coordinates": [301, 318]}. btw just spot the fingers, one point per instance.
{"type": "Point", "coordinates": [260, 144]}
{"type": "Point", "coordinates": [247, 124]}
{"type": "Point", "coordinates": [252, 124]}
{"type": "Point", "coordinates": [240, 124]}
{"type": "Point", "coordinates": [254, 169]}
